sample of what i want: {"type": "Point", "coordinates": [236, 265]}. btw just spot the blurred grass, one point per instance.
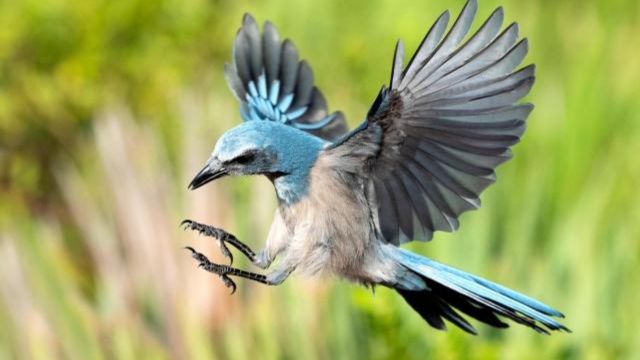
{"type": "Point", "coordinates": [107, 108]}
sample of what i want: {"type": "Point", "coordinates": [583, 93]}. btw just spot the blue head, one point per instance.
{"type": "Point", "coordinates": [283, 153]}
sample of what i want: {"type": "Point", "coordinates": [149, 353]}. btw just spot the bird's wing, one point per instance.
{"type": "Point", "coordinates": [274, 85]}
{"type": "Point", "coordinates": [431, 142]}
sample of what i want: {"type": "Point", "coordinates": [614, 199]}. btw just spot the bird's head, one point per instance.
{"type": "Point", "coordinates": [259, 147]}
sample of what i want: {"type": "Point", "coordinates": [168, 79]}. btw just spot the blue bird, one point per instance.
{"type": "Point", "coordinates": [428, 147]}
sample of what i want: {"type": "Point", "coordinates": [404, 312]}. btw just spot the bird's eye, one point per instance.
{"type": "Point", "coordinates": [245, 158]}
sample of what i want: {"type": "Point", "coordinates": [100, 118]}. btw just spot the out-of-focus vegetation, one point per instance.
{"type": "Point", "coordinates": [107, 108]}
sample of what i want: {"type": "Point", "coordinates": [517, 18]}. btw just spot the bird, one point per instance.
{"type": "Point", "coordinates": [347, 200]}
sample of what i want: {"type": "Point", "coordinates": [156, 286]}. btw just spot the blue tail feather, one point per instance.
{"type": "Point", "coordinates": [452, 287]}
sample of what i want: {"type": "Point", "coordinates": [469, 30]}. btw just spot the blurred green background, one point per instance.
{"type": "Point", "coordinates": [108, 108]}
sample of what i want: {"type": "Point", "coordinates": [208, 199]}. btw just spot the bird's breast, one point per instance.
{"type": "Point", "coordinates": [331, 226]}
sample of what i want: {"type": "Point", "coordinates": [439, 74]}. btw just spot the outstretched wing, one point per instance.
{"type": "Point", "coordinates": [272, 84]}
{"type": "Point", "coordinates": [432, 141]}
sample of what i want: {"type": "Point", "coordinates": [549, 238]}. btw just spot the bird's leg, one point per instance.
{"type": "Point", "coordinates": [223, 238]}
{"type": "Point", "coordinates": [224, 271]}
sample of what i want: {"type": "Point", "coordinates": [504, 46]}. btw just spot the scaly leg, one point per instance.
{"type": "Point", "coordinates": [224, 271]}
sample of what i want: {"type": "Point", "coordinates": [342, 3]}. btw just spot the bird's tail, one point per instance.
{"type": "Point", "coordinates": [449, 289]}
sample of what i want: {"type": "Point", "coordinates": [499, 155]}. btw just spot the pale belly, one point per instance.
{"type": "Point", "coordinates": [331, 231]}
{"type": "Point", "coordinates": [343, 246]}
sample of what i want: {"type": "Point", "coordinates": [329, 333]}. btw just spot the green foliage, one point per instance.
{"type": "Point", "coordinates": [107, 108]}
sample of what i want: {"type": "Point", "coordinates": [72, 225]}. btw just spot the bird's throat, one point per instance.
{"type": "Point", "coordinates": [291, 187]}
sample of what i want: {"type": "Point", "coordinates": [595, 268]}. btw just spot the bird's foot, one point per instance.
{"type": "Point", "coordinates": [223, 238]}
{"type": "Point", "coordinates": [221, 270]}
{"type": "Point", "coordinates": [224, 271]}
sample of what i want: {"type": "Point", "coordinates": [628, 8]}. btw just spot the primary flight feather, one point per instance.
{"type": "Point", "coordinates": [427, 148]}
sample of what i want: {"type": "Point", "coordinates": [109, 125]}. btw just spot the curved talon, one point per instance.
{"type": "Point", "coordinates": [193, 252]}
{"type": "Point", "coordinates": [228, 283]}
{"type": "Point", "coordinates": [198, 256]}
{"type": "Point", "coordinates": [225, 251]}
{"type": "Point", "coordinates": [185, 224]}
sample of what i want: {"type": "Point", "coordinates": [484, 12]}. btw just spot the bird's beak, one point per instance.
{"type": "Point", "coordinates": [213, 170]}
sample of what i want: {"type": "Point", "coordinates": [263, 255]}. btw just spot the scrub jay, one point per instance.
{"type": "Point", "coordinates": [428, 147]}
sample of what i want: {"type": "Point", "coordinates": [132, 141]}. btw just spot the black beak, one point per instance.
{"type": "Point", "coordinates": [213, 170]}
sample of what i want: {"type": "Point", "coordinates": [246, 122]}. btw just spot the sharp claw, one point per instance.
{"type": "Point", "coordinates": [228, 283]}
{"type": "Point", "coordinates": [185, 224]}
{"type": "Point", "coordinates": [230, 259]}
{"type": "Point", "coordinates": [198, 256]}
{"type": "Point", "coordinates": [225, 251]}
